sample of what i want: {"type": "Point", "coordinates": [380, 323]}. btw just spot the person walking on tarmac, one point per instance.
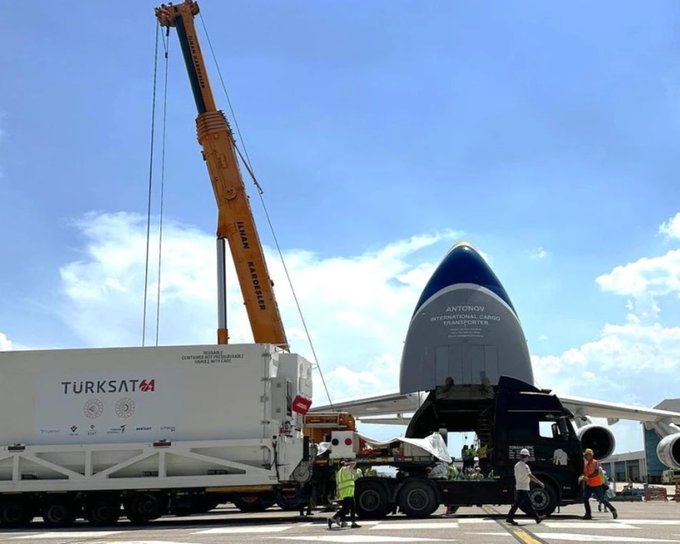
{"type": "Point", "coordinates": [523, 479]}
{"type": "Point", "coordinates": [593, 481]}
{"type": "Point", "coordinates": [345, 477]}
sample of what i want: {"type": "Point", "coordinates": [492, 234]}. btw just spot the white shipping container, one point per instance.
{"type": "Point", "coordinates": [125, 395]}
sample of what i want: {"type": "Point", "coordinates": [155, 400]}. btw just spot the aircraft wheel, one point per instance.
{"type": "Point", "coordinates": [417, 499]}
{"type": "Point", "coordinates": [371, 500]}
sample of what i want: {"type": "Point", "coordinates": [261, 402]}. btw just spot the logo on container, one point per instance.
{"type": "Point", "coordinates": [93, 408]}
{"type": "Point", "coordinates": [91, 387]}
{"type": "Point", "coordinates": [125, 407]}
{"type": "Point", "coordinates": [116, 430]}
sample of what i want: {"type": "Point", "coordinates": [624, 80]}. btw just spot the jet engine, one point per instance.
{"type": "Point", "coordinates": [600, 439]}
{"type": "Point", "coordinates": [668, 451]}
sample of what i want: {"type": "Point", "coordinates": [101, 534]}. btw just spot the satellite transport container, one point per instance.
{"type": "Point", "coordinates": [95, 396]}
{"type": "Point", "coordinates": [148, 425]}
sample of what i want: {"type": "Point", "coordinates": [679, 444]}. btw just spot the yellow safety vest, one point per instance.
{"type": "Point", "coordinates": [344, 479]}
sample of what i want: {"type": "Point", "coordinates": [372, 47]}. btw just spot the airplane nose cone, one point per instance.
{"type": "Point", "coordinates": [463, 264]}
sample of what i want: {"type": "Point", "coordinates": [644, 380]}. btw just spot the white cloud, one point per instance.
{"type": "Point", "coordinates": [104, 290]}
{"type": "Point", "coordinates": [645, 280]}
{"type": "Point", "coordinates": [636, 361]}
{"type": "Point", "coordinates": [671, 228]}
{"type": "Point", "coordinates": [357, 307]}
{"type": "Point", "coordinates": [538, 253]}
{"type": "Point", "coordinates": [5, 343]}
{"type": "Point", "coordinates": [631, 354]}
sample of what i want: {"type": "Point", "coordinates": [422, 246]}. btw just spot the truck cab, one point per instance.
{"type": "Point", "coordinates": [506, 418]}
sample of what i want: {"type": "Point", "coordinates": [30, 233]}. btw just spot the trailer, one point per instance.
{"type": "Point", "coordinates": [157, 430]}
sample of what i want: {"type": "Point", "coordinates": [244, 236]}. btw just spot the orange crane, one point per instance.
{"type": "Point", "coordinates": [235, 222]}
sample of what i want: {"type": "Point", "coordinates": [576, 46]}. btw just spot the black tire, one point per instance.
{"type": "Point", "coordinates": [16, 513]}
{"type": "Point", "coordinates": [544, 499]}
{"type": "Point", "coordinates": [417, 498]}
{"type": "Point", "coordinates": [253, 503]}
{"type": "Point", "coordinates": [206, 504]}
{"type": "Point", "coordinates": [290, 501]}
{"type": "Point", "coordinates": [102, 511]}
{"type": "Point", "coordinates": [59, 511]}
{"type": "Point", "coordinates": [371, 499]}
{"type": "Point", "coordinates": [141, 508]}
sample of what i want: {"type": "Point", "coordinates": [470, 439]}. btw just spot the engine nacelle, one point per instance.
{"type": "Point", "coordinates": [668, 451]}
{"type": "Point", "coordinates": [599, 439]}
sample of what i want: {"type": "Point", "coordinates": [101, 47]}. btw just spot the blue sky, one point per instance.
{"type": "Point", "coordinates": [382, 133]}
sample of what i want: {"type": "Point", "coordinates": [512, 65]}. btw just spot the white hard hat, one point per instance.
{"type": "Point", "coordinates": [524, 451]}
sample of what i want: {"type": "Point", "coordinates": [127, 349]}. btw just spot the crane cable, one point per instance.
{"type": "Point", "coordinates": [166, 46]}
{"type": "Point", "coordinates": [150, 187]}
{"type": "Point", "coordinates": [246, 162]}
{"type": "Point", "coordinates": [148, 202]}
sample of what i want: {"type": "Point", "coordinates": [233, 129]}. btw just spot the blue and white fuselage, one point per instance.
{"type": "Point", "coordinates": [464, 330]}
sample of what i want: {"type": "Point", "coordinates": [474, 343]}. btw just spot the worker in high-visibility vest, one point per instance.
{"type": "Point", "coordinates": [344, 479]}
{"type": "Point", "coordinates": [593, 480]}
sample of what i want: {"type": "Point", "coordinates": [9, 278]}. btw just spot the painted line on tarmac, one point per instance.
{"type": "Point", "coordinates": [64, 535]}
{"type": "Point", "coordinates": [520, 534]}
{"type": "Point", "coordinates": [244, 529]}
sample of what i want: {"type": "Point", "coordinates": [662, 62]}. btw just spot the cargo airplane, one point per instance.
{"type": "Point", "coordinates": [464, 335]}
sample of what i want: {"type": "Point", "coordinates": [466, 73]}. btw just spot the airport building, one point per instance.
{"type": "Point", "coordinates": [627, 466]}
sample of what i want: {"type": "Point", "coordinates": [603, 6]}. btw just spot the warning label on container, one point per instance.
{"type": "Point", "coordinates": [211, 357]}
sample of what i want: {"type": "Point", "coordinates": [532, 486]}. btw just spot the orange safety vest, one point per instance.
{"type": "Point", "coordinates": [591, 471]}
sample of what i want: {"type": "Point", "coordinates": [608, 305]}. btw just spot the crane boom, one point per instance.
{"type": "Point", "coordinates": [235, 222]}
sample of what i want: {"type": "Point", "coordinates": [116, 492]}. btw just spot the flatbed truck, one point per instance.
{"type": "Point", "coordinates": [507, 418]}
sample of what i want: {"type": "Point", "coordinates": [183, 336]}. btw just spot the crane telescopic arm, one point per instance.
{"type": "Point", "coordinates": [235, 222]}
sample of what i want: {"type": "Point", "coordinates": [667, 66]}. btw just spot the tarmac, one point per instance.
{"type": "Point", "coordinates": [637, 522]}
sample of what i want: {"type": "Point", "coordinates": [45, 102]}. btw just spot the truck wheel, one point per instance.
{"type": "Point", "coordinates": [544, 499]}
{"type": "Point", "coordinates": [206, 504]}
{"type": "Point", "coordinates": [102, 511]}
{"type": "Point", "coordinates": [59, 511]}
{"type": "Point", "coordinates": [253, 503]}
{"type": "Point", "coordinates": [16, 513]}
{"type": "Point", "coordinates": [371, 500]}
{"type": "Point", "coordinates": [417, 499]}
{"type": "Point", "coordinates": [142, 508]}
{"type": "Point", "coordinates": [290, 501]}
